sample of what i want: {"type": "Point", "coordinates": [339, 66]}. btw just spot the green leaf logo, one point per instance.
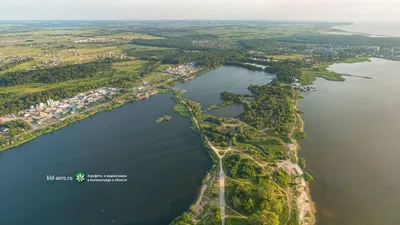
{"type": "Point", "coordinates": [80, 177]}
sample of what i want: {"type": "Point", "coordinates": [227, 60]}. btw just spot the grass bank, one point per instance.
{"type": "Point", "coordinates": [321, 70]}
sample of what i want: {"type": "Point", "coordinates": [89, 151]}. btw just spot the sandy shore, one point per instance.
{"type": "Point", "coordinates": [304, 202]}
{"type": "Point", "coordinates": [301, 194]}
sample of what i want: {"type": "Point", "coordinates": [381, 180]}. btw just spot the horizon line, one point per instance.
{"type": "Point", "coordinates": [128, 20]}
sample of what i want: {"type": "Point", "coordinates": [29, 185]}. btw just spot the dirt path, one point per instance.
{"type": "Point", "coordinates": [303, 202]}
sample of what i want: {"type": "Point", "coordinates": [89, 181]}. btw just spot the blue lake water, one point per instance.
{"type": "Point", "coordinates": [352, 148]}
{"type": "Point", "coordinates": [165, 162]}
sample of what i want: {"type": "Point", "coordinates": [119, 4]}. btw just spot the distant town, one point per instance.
{"type": "Point", "coordinates": [51, 111]}
{"type": "Point", "coordinates": [183, 71]}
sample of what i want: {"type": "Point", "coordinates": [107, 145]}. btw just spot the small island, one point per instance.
{"type": "Point", "coordinates": [165, 117]}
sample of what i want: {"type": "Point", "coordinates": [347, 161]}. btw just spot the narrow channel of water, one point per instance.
{"type": "Point", "coordinates": [352, 149]}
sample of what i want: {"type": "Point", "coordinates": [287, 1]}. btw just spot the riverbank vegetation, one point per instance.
{"type": "Point", "coordinates": [182, 110]}
{"type": "Point", "coordinates": [302, 163]}
{"type": "Point", "coordinates": [227, 99]}
{"type": "Point", "coordinates": [243, 65]}
{"type": "Point", "coordinates": [307, 176]}
{"type": "Point", "coordinates": [300, 135]}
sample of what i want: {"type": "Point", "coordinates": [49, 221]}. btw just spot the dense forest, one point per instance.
{"type": "Point", "coordinates": [216, 136]}
{"type": "Point", "coordinates": [206, 58]}
{"type": "Point", "coordinates": [55, 74]}
{"type": "Point", "coordinates": [231, 97]}
{"type": "Point", "coordinates": [259, 201]}
{"type": "Point", "coordinates": [182, 43]}
{"type": "Point", "coordinates": [247, 66]}
{"type": "Point", "coordinates": [270, 108]}
{"type": "Point", "coordinates": [242, 167]}
{"type": "Point", "coordinates": [286, 71]}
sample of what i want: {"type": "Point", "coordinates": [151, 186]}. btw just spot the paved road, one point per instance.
{"type": "Point", "coordinates": [222, 191]}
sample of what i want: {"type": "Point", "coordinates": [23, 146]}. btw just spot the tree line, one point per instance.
{"type": "Point", "coordinates": [12, 64]}
{"type": "Point", "coordinates": [55, 74]}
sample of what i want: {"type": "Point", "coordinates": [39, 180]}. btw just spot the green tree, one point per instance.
{"type": "Point", "coordinates": [281, 177]}
{"type": "Point", "coordinates": [307, 176]}
{"type": "Point", "coordinates": [264, 218]}
{"type": "Point", "coordinates": [302, 163]}
{"type": "Point", "coordinates": [249, 206]}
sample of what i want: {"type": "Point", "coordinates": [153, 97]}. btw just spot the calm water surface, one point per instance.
{"type": "Point", "coordinates": [374, 28]}
{"type": "Point", "coordinates": [206, 89]}
{"type": "Point", "coordinates": [353, 147]}
{"type": "Point", "coordinates": [165, 162]}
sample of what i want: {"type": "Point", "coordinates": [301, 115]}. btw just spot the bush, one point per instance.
{"type": "Point", "coordinates": [307, 176]}
{"type": "Point", "coordinates": [300, 135]}
{"type": "Point", "coordinates": [281, 177]}
{"type": "Point", "coordinates": [302, 163]}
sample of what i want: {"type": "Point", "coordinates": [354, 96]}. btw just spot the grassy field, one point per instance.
{"type": "Point", "coordinates": [42, 57]}
{"type": "Point", "coordinates": [130, 36]}
{"type": "Point", "coordinates": [320, 70]}
{"type": "Point", "coordinates": [19, 51]}
{"type": "Point", "coordinates": [309, 76]}
{"type": "Point", "coordinates": [243, 33]}
{"type": "Point", "coordinates": [182, 110]}
{"type": "Point", "coordinates": [356, 60]}
{"type": "Point", "coordinates": [59, 45]}
{"type": "Point", "coordinates": [289, 56]}
{"type": "Point", "coordinates": [23, 66]}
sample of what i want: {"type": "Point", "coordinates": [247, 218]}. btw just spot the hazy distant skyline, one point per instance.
{"type": "Point", "coordinates": [310, 10]}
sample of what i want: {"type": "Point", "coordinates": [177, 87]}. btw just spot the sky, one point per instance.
{"type": "Point", "coordinates": [306, 10]}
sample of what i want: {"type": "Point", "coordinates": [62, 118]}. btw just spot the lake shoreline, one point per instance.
{"type": "Point", "coordinates": [303, 201]}
{"type": "Point", "coordinates": [59, 125]}
{"type": "Point", "coordinates": [307, 191]}
{"type": "Point", "coordinates": [338, 117]}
